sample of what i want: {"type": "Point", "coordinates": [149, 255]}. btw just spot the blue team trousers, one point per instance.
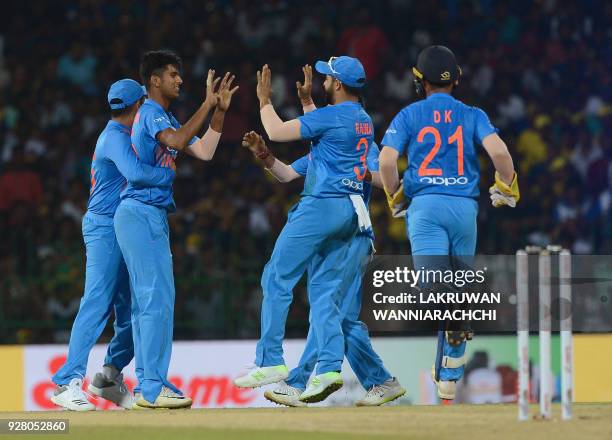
{"type": "Point", "coordinates": [106, 287]}
{"type": "Point", "coordinates": [143, 235]}
{"type": "Point", "coordinates": [316, 227]}
{"type": "Point", "coordinates": [442, 225]}
{"type": "Point", "coordinates": [362, 358]}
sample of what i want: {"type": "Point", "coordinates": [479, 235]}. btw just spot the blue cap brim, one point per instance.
{"type": "Point", "coordinates": [323, 67]}
{"type": "Point", "coordinates": [127, 104]}
{"type": "Point", "coordinates": [125, 92]}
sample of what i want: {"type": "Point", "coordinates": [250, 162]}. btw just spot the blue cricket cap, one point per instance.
{"type": "Point", "coordinates": [347, 70]}
{"type": "Point", "coordinates": [124, 93]}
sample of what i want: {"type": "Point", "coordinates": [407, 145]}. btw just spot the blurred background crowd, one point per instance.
{"type": "Point", "coordinates": [540, 69]}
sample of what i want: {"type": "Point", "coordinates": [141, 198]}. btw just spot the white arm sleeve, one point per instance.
{"type": "Point", "coordinates": [278, 130]}
{"type": "Point", "coordinates": [205, 147]}
{"type": "Point", "coordinates": [283, 172]}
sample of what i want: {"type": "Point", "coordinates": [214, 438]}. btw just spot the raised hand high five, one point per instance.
{"type": "Point", "coordinates": [304, 91]}
{"type": "Point", "coordinates": [264, 86]}
{"type": "Point", "coordinates": [225, 92]}
{"type": "Point", "coordinates": [211, 83]}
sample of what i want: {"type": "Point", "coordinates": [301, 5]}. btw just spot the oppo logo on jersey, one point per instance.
{"type": "Point", "coordinates": [352, 184]}
{"type": "Point", "coordinates": [446, 181]}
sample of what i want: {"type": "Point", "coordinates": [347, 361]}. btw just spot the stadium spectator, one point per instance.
{"type": "Point", "coordinates": [540, 69]}
{"type": "Point", "coordinates": [366, 41]}
{"type": "Point", "coordinates": [19, 183]}
{"type": "Point", "coordinates": [78, 67]}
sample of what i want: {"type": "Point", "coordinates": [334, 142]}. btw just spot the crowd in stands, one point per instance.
{"type": "Point", "coordinates": [540, 69]}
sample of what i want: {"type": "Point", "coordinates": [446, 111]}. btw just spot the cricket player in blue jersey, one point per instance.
{"type": "Point", "coordinates": [106, 279]}
{"type": "Point", "coordinates": [341, 134]}
{"type": "Point", "coordinates": [380, 385]}
{"type": "Point", "coordinates": [439, 135]}
{"type": "Point", "coordinates": [141, 222]}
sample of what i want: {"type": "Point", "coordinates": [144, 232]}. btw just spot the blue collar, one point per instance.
{"type": "Point", "coordinates": [348, 102]}
{"type": "Point", "coordinates": [118, 125]}
{"type": "Point", "coordinates": [158, 105]}
{"type": "Point", "coordinates": [442, 95]}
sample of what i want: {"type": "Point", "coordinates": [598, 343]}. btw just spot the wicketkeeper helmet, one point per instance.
{"type": "Point", "coordinates": [437, 65]}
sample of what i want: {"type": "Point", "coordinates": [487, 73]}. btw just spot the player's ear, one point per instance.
{"type": "Point", "coordinates": [425, 87]}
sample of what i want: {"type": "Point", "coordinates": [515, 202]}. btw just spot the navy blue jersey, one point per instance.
{"type": "Point", "coordinates": [439, 135]}
{"type": "Point", "coordinates": [114, 163]}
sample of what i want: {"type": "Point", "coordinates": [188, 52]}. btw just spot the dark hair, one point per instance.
{"type": "Point", "coordinates": [356, 92]}
{"type": "Point", "coordinates": [154, 62]}
{"type": "Point", "coordinates": [123, 111]}
{"type": "Point", "coordinates": [442, 86]}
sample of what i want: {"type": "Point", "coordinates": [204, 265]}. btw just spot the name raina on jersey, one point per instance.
{"type": "Point", "coordinates": [363, 128]}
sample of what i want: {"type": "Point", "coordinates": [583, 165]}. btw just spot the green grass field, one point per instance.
{"type": "Point", "coordinates": [498, 422]}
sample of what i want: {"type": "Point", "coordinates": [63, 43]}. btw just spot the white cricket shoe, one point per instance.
{"type": "Point", "coordinates": [136, 406]}
{"type": "Point", "coordinates": [166, 399]}
{"type": "Point", "coordinates": [286, 395]}
{"type": "Point", "coordinates": [381, 394]}
{"type": "Point", "coordinates": [72, 397]}
{"type": "Point", "coordinates": [262, 376]}
{"type": "Point", "coordinates": [114, 389]}
{"type": "Point", "coordinates": [321, 386]}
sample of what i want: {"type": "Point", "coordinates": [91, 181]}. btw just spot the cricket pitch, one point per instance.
{"type": "Point", "coordinates": [498, 422]}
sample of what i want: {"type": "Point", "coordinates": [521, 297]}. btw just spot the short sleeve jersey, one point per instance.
{"type": "Point", "coordinates": [150, 120]}
{"type": "Point", "coordinates": [341, 136]}
{"type": "Point", "coordinates": [439, 136]}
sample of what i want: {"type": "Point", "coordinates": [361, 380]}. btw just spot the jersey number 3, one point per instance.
{"type": "Point", "coordinates": [457, 136]}
{"type": "Point", "coordinates": [359, 173]}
